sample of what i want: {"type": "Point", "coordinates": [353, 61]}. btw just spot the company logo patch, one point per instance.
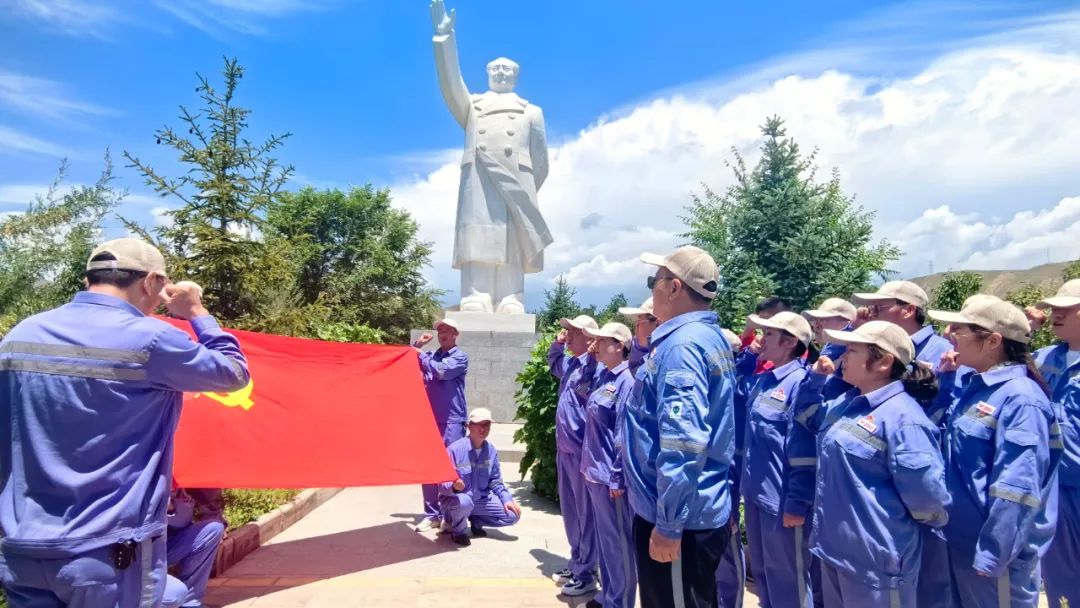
{"type": "Point", "coordinates": [867, 423]}
{"type": "Point", "coordinates": [778, 394]}
{"type": "Point", "coordinates": [985, 409]}
{"type": "Point", "coordinates": [676, 408]}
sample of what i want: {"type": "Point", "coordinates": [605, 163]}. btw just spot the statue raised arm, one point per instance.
{"type": "Point", "coordinates": [499, 235]}
{"type": "Point", "coordinates": [452, 85]}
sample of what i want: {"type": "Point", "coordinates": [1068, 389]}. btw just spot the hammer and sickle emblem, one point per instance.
{"type": "Point", "coordinates": [240, 398]}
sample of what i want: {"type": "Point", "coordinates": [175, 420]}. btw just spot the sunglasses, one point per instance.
{"type": "Point", "coordinates": [653, 280]}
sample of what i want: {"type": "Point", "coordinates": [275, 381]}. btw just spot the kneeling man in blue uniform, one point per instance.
{"type": "Point", "coordinates": [477, 498]}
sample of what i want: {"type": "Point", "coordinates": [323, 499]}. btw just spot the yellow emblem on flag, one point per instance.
{"type": "Point", "coordinates": [240, 398]}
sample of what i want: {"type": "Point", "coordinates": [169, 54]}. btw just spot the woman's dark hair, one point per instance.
{"type": "Point", "coordinates": [812, 352]}
{"type": "Point", "coordinates": [917, 377]}
{"type": "Point", "coordinates": [920, 316]}
{"type": "Point", "coordinates": [773, 303]}
{"type": "Point", "coordinates": [112, 276]}
{"type": "Point", "coordinates": [1016, 352]}
{"type": "Point", "coordinates": [626, 352]}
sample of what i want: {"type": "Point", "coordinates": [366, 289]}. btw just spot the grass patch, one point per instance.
{"type": "Point", "coordinates": [245, 506]}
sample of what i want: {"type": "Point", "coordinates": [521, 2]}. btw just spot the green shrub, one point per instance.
{"type": "Point", "coordinates": [1027, 295]}
{"type": "Point", "coordinates": [537, 399]}
{"type": "Point", "coordinates": [244, 506]}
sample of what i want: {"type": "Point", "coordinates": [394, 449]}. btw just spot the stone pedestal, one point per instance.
{"type": "Point", "coordinates": [498, 346]}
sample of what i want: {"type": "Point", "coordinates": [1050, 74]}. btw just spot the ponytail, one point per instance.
{"type": "Point", "coordinates": [1020, 354]}
{"type": "Point", "coordinates": [812, 352]}
{"type": "Point", "coordinates": [917, 377]}
{"type": "Point", "coordinates": [919, 381]}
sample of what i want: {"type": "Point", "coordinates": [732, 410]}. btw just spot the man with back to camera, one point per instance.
{"type": "Point", "coordinates": [90, 395]}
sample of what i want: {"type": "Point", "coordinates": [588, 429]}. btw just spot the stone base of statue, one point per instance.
{"type": "Point", "coordinates": [498, 346]}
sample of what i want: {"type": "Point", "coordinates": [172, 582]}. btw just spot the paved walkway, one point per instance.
{"type": "Point", "coordinates": [359, 549]}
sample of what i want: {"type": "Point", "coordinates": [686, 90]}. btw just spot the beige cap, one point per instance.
{"type": "Point", "coordinates": [644, 309]}
{"type": "Point", "coordinates": [480, 414]}
{"type": "Point", "coordinates": [788, 321]}
{"type": "Point", "coordinates": [833, 307]}
{"type": "Point", "coordinates": [904, 291]}
{"type": "Point", "coordinates": [692, 265]}
{"type": "Point", "coordinates": [992, 314]}
{"type": "Point", "coordinates": [130, 254]}
{"type": "Point", "coordinates": [1066, 297]}
{"type": "Point", "coordinates": [886, 336]}
{"type": "Point", "coordinates": [618, 331]}
{"type": "Point", "coordinates": [732, 338]}
{"type": "Point", "coordinates": [579, 322]}
{"type": "Point", "coordinates": [447, 322]}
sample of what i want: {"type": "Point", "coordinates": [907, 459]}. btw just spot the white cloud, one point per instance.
{"type": "Point", "coordinates": [15, 141]}
{"type": "Point", "coordinates": [68, 17]}
{"type": "Point", "coordinates": [978, 132]}
{"type": "Point", "coordinates": [1026, 239]}
{"type": "Point", "coordinates": [220, 18]}
{"type": "Point", "coordinates": [40, 97]}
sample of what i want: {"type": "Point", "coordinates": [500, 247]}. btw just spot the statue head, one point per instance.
{"type": "Point", "coordinates": [502, 75]}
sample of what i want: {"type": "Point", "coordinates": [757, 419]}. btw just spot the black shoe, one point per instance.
{"type": "Point", "coordinates": [564, 575]}
{"type": "Point", "coordinates": [462, 540]}
{"type": "Point", "coordinates": [478, 532]}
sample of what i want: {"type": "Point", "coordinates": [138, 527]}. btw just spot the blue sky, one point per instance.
{"type": "Point", "coordinates": [650, 93]}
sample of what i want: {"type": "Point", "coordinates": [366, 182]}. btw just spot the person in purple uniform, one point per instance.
{"type": "Point", "coordinates": [90, 396]}
{"type": "Point", "coordinates": [477, 498]}
{"type": "Point", "coordinates": [444, 378]}
{"type": "Point", "coordinates": [570, 362]}
{"type": "Point", "coordinates": [601, 464]}
{"type": "Point", "coordinates": [644, 324]}
{"type": "Point", "coordinates": [192, 545]}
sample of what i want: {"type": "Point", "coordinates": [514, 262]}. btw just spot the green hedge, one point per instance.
{"type": "Point", "coordinates": [244, 506]}
{"type": "Point", "coordinates": [537, 399]}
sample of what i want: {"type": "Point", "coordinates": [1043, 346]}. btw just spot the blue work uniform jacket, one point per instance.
{"type": "Point", "coordinates": [680, 428]}
{"type": "Point", "coordinates": [775, 477]}
{"type": "Point", "coordinates": [576, 376]}
{"type": "Point", "coordinates": [1001, 456]}
{"type": "Point", "coordinates": [479, 469]}
{"type": "Point", "coordinates": [600, 461]}
{"type": "Point", "coordinates": [444, 378]}
{"type": "Point", "coordinates": [1064, 383]}
{"type": "Point", "coordinates": [90, 395]}
{"type": "Point", "coordinates": [879, 476]}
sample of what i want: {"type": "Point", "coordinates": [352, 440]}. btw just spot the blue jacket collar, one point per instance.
{"type": "Point", "coordinates": [883, 394]}
{"type": "Point", "coordinates": [100, 299]}
{"type": "Point", "coordinates": [923, 335]}
{"type": "Point", "coordinates": [669, 326]}
{"type": "Point", "coordinates": [786, 369]}
{"type": "Point", "coordinates": [1003, 373]}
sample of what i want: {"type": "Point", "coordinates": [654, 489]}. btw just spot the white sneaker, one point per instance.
{"type": "Point", "coordinates": [575, 588]}
{"type": "Point", "coordinates": [445, 527]}
{"type": "Point", "coordinates": [428, 525]}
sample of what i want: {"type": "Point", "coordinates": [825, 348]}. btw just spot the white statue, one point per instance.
{"type": "Point", "coordinates": [499, 235]}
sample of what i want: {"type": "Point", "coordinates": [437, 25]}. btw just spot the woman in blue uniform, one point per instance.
{"type": "Point", "coordinates": [1003, 447]}
{"type": "Point", "coordinates": [777, 486]}
{"type": "Point", "coordinates": [879, 472]}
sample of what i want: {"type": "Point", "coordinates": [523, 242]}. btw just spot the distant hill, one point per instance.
{"type": "Point", "coordinates": [1001, 282]}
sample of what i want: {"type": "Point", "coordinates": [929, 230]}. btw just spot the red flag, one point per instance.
{"type": "Point", "coordinates": [315, 415]}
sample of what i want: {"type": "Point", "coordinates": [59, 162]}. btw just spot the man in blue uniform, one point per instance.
{"type": "Point", "coordinates": [477, 498]}
{"type": "Point", "coordinates": [192, 546]}
{"type": "Point", "coordinates": [570, 362]}
{"type": "Point", "coordinates": [444, 378]}
{"type": "Point", "coordinates": [90, 394]}
{"type": "Point", "coordinates": [1060, 367]}
{"type": "Point", "coordinates": [680, 438]}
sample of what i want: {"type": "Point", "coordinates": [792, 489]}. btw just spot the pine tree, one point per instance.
{"type": "Point", "coordinates": [229, 182]}
{"type": "Point", "coordinates": [778, 230]}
